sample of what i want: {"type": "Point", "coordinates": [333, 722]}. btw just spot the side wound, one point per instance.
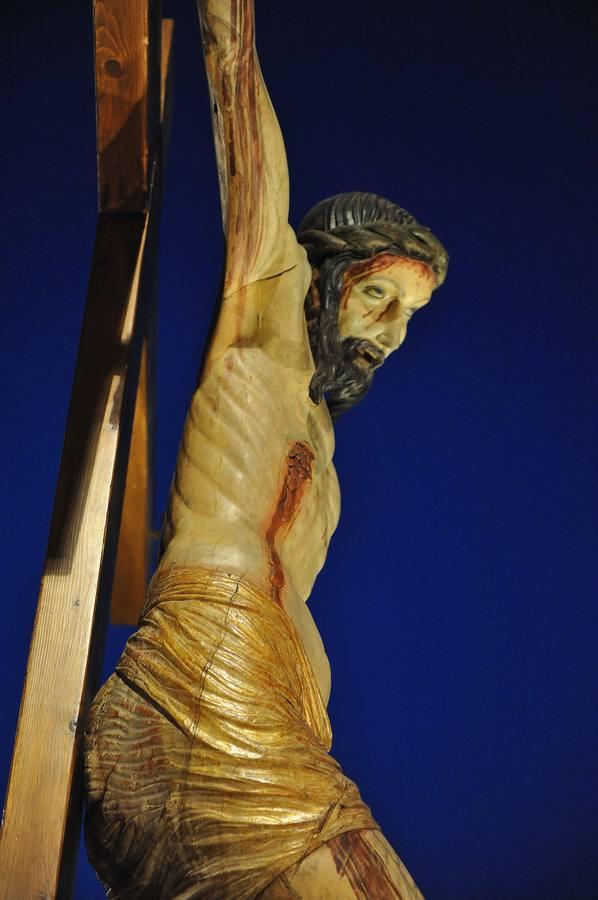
{"type": "Point", "coordinates": [297, 475]}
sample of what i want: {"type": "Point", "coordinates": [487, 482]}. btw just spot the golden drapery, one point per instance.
{"type": "Point", "coordinates": [207, 764]}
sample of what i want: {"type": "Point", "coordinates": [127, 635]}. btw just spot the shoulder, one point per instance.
{"type": "Point", "coordinates": [279, 255]}
{"type": "Point", "coordinates": [267, 313]}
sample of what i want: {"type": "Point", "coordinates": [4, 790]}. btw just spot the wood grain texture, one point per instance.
{"type": "Point", "coordinates": [252, 168]}
{"type": "Point", "coordinates": [206, 764]}
{"type": "Point", "coordinates": [77, 573]}
{"type": "Point", "coordinates": [132, 558]}
{"type": "Point", "coordinates": [127, 61]}
{"type": "Point", "coordinates": [352, 866]}
{"type": "Point", "coordinates": [166, 80]}
{"type": "Point", "coordinates": [43, 801]}
{"type": "Point", "coordinates": [134, 546]}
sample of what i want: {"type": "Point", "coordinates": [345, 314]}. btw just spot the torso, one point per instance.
{"type": "Point", "coordinates": [255, 492]}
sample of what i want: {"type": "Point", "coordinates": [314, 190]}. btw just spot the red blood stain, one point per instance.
{"type": "Point", "coordinates": [357, 861]}
{"type": "Point", "coordinates": [297, 475]}
{"type": "Point", "coordinates": [377, 264]}
{"type": "Point", "coordinates": [389, 312]}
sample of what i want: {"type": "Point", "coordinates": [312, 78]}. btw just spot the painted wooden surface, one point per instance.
{"type": "Point", "coordinates": [351, 866]}
{"type": "Point", "coordinates": [206, 756]}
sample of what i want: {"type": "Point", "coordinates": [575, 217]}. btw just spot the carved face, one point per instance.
{"type": "Point", "coordinates": [380, 296]}
{"type": "Point", "coordinates": [362, 323]}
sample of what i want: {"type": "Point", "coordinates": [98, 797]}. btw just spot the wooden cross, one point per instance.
{"type": "Point", "coordinates": [107, 458]}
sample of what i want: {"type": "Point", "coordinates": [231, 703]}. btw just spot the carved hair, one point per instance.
{"type": "Point", "coordinates": [336, 233]}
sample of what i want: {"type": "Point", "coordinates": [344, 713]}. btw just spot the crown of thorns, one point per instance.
{"type": "Point", "coordinates": [359, 225]}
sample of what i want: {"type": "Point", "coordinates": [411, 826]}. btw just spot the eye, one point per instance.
{"type": "Point", "coordinates": [373, 290]}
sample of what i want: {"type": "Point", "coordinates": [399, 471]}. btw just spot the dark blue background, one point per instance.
{"type": "Point", "coordinates": [458, 603]}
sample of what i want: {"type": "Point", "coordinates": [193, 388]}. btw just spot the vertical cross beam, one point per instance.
{"type": "Point", "coordinates": [40, 827]}
{"type": "Point", "coordinates": [133, 560]}
{"type": "Point", "coordinates": [127, 66]}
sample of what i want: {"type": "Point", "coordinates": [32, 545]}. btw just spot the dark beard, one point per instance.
{"type": "Point", "coordinates": [353, 375]}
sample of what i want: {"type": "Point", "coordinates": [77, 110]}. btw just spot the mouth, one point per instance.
{"type": "Point", "coordinates": [367, 354]}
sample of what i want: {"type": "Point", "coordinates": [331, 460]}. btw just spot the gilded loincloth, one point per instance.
{"type": "Point", "coordinates": [207, 764]}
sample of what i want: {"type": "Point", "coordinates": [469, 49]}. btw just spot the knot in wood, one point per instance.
{"type": "Point", "coordinates": [113, 68]}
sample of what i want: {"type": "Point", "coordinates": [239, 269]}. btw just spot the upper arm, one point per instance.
{"type": "Point", "coordinates": [252, 164]}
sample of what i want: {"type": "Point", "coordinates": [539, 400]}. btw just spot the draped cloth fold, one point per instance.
{"type": "Point", "coordinates": [207, 764]}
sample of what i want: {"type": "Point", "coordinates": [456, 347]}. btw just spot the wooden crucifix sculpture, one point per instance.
{"type": "Point", "coordinates": [208, 770]}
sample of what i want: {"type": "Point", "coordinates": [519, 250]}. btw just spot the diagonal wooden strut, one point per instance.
{"type": "Point", "coordinates": [40, 827]}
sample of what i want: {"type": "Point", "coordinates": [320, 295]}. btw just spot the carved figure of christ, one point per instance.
{"type": "Point", "coordinates": [207, 766]}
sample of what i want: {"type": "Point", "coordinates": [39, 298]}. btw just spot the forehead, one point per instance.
{"type": "Point", "coordinates": [390, 267]}
{"type": "Point", "coordinates": [408, 277]}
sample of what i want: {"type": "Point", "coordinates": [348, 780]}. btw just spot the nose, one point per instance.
{"type": "Point", "coordinates": [391, 336]}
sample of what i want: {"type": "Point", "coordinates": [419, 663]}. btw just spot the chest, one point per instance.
{"type": "Point", "coordinates": [261, 438]}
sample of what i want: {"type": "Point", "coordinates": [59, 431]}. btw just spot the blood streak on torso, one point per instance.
{"type": "Point", "coordinates": [297, 475]}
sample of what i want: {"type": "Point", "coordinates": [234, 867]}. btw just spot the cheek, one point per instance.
{"type": "Point", "coordinates": [389, 312]}
{"type": "Point", "coordinates": [353, 316]}
{"type": "Point", "coordinates": [425, 289]}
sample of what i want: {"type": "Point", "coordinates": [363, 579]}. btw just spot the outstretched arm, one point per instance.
{"type": "Point", "coordinates": [252, 166]}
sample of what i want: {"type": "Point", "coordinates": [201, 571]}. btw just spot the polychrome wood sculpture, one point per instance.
{"type": "Point", "coordinates": [207, 764]}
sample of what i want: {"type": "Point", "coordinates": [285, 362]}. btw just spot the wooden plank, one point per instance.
{"type": "Point", "coordinates": [127, 63]}
{"type": "Point", "coordinates": [166, 80]}
{"type": "Point", "coordinates": [135, 540]}
{"type": "Point", "coordinates": [40, 825]}
{"type": "Point", "coordinates": [132, 559]}
{"type": "Point", "coordinates": [40, 828]}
